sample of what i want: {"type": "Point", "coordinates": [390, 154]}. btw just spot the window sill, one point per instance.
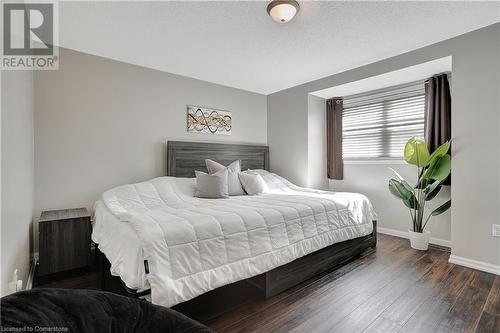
{"type": "Point", "coordinates": [376, 161]}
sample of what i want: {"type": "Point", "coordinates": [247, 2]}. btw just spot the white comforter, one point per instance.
{"type": "Point", "coordinates": [195, 245]}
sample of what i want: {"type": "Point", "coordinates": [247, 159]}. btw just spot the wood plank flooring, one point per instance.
{"type": "Point", "coordinates": [392, 288]}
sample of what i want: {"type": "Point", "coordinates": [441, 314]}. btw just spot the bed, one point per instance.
{"type": "Point", "coordinates": [158, 237]}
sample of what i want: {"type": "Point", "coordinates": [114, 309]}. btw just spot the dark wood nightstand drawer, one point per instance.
{"type": "Point", "coordinates": [64, 240]}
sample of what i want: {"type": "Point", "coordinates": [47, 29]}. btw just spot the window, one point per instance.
{"type": "Point", "coordinates": [378, 124]}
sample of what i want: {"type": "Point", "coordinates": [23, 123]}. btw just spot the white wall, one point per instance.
{"type": "Point", "coordinates": [17, 176]}
{"type": "Point", "coordinates": [475, 118]}
{"type": "Point", "coordinates": [100, 123]}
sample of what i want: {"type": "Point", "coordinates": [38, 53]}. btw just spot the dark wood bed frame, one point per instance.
{"type": "Point", "coordinates": [183, 158]}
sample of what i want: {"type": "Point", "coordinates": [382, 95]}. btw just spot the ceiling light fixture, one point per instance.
{"type": "Point", "coordinates": [283, 11]}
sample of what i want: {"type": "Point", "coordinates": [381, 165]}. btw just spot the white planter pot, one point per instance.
{"type": "Point", "coordinates": [419, 240]}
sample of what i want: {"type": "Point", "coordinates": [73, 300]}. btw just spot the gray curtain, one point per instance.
{"type": "Point", "coordinates": [437, 126]}
{"type": "Point", "coordinates": [335, 164]}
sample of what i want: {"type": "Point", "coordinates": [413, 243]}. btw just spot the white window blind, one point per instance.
{"type": "Point", "coordinates": [378, 124]}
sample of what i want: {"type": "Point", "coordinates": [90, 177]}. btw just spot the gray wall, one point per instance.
{"type": "Point", "coordinates": [475, 120]}
{"type": "Point", "coordinates": [371, 180]}
{"type": "Point", "coordinates": [287, 134]}
{"type": "Point", "coordinates": [17, 177]}
{"type": "Point", "coordinates": [100, 123]}
{"type": "Point", "coordinates": [316, 134]}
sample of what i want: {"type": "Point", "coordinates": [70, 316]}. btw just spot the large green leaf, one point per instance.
{"type": "Point", "coordinates": [440, 169]}
{"type": "Point", "coordinates": [440, 151]}
{"type": "Point", "coordinates": [402, 180]}
{"type": "Point", "coordinates": [441, 209]}
{"type": "Point", "coordinates": [399, 190]}
{"type": "Point", "coordinates": [416, 152]}
{"type": "Point", "coordinates": [432, 190]}
{"type": "Point", "coordinates": [412, 202]}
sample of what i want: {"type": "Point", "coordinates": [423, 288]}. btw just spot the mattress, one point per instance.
{"type": "Point", "coordinates": [194, 245]}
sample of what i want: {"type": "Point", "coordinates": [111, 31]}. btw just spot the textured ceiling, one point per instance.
{"type": "Point", "coordinates": [237, 44]}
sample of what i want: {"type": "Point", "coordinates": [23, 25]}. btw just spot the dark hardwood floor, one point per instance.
{"type": "Point", "coordinates": [392, 288]}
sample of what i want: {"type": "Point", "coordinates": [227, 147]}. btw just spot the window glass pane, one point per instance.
{"type": "Point", "coordinates": [378, 125]}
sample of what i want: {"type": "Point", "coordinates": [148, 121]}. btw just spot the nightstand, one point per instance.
{"type": "Point", "coordinates": [64, 240]}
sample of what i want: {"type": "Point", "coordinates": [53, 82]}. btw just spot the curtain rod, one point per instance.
{"type": "Point", "coordinates": [448, 74]}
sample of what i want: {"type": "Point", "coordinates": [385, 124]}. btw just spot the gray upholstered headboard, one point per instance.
{"type": "Point", "coordinates": [183, 157]}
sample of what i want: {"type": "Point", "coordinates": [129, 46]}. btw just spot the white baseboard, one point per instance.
{"type": "Point", "coordinates": [479, 265]}
{"type": "Point", "coordinates": [470, 263]}
{"type": "Point", "coordinates": [404, 234]}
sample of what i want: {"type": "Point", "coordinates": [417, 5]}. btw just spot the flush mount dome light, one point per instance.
{"type": "Point", "coordinates": [283, 11]}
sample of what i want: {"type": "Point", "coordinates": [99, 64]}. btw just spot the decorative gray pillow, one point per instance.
{"type": "Point", "coordinates": [211, 186]}
{"type": "Point", "coordinates": [233, 182]}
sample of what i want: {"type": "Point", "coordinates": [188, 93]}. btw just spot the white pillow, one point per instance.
{"type": "Point", "coordinates": [233, 182]}
{"type": "Point", "coordinates": [253, 183]}
{"type": "Point", "coordinates": [211, 186]}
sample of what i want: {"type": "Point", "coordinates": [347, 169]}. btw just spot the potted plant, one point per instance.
{"type": "Point", "coordinates": [432, 171]}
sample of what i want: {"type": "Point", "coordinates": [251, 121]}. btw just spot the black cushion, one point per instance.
{"type": "Point", "coordinates": [78, 310]}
